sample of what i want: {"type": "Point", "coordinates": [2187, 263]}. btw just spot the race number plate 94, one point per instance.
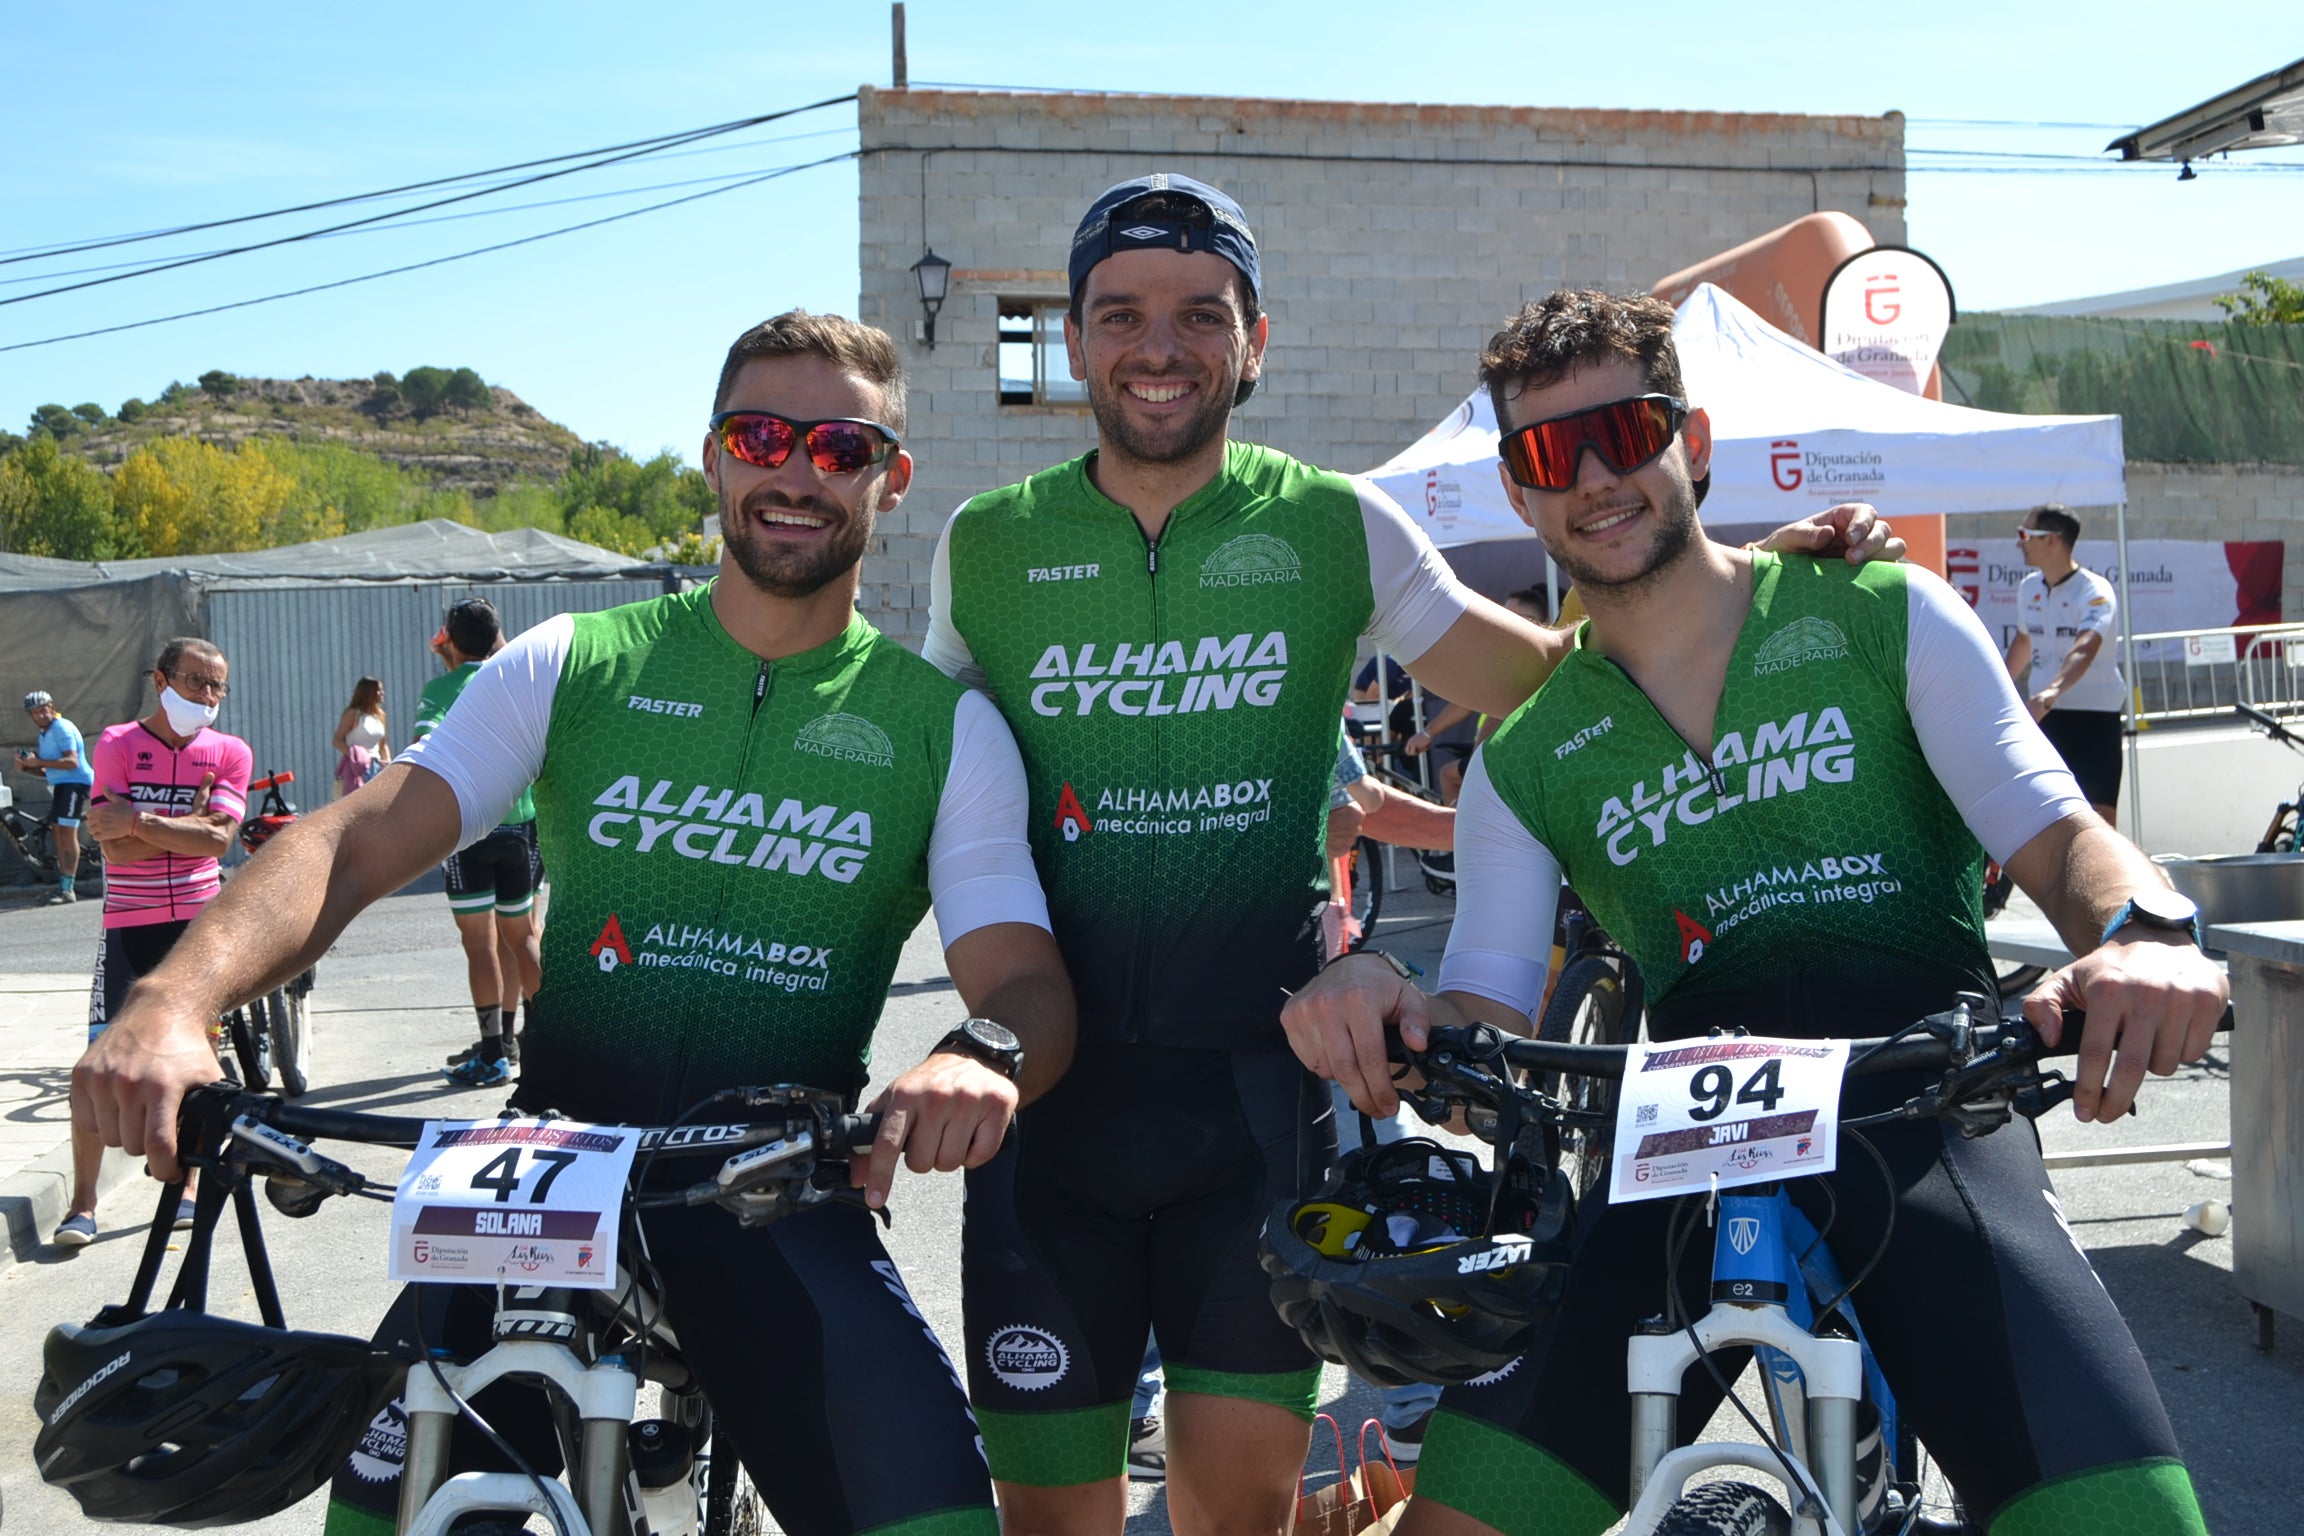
{"type": "Point", "coordinates": [1742, 1108]}
{"type": "Point", "coordinates": [525, 1202]}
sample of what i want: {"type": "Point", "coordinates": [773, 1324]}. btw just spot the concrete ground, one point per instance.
{"type": "Point", "coordinates": [390, 1004]}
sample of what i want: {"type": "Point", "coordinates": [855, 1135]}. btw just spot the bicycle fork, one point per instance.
{"type": "Point", "coordinates": [604, 1394]}
{"type": "Point", "coordinates": [1754, 1276]}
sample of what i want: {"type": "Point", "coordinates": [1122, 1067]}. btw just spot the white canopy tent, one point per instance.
{"type": "Point", "coordinates": [1793, 433]}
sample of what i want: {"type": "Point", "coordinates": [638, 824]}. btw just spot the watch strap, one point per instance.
{"type": "Point", "coordinates": [2131, 913]}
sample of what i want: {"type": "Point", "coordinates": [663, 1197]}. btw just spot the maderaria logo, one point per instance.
{"type": "Point", "coordinates": [846, 738]}
{"type": "Point", "coordinates": [1028, 1359]}
{"type": "Point", "coordinates": [1251, 560]}
{"type": "Point", "coordinates": [1798, 643]}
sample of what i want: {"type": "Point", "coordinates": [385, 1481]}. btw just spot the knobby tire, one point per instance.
{"type": "Point", "coordinates": [1725, 1509]}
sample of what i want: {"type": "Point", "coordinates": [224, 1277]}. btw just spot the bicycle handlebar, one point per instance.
{"type": "Point", "coordinates": [2269, 725]}
{"type": "Point", "coordinates": [272, 780]}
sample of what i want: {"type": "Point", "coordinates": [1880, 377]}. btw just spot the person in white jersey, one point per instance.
{"type": "Point", "coordinates": [2061, 656]}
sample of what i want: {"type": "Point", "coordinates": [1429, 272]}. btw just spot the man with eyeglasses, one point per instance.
{"type": "Point", "coordinates": [170, 791]}
{"type": "Point", "coordinates": [749, 798]}
{"type": "Point", "coordinates": [1773, 782]}
{"type": "Point", "coordinates": [2068, 617]}
{"type": "Point", "coordinates": [1170, 624]}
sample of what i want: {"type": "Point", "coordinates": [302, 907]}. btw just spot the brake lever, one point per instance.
{"type": "Point", "coordinates": [298, 1180]}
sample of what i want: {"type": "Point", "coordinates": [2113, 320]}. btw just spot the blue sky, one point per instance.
{"type": "Point", "coordinates": [139, 116]}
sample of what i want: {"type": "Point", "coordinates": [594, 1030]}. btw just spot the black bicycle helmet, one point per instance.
{"type": "Point", "coordinates": [191, 1420]}
{"type": "Point", "coordinates": [1394, 1269]}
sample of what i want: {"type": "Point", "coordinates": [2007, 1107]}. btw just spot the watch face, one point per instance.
{"type": "Point", "coordinates": [997, 1037]}
{"type": "Point", "coordinates": [2165, 908]}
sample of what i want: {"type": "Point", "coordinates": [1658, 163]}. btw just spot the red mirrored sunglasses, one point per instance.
{"type": "Point", "coordinates": [1625, 433]}
{"type": "Point", "coordinates": [838, 447]}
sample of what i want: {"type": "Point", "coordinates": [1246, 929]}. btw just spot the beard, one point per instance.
{"type": "Point", "coordinates": [1168, 444]}
{"type": "Point", "coordinates": [782, 572]}
{"type": "Point", "coordinates": [1677, 530]}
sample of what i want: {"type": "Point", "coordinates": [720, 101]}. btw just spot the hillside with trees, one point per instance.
{"type": "Point", "coordinates": [235, 464]}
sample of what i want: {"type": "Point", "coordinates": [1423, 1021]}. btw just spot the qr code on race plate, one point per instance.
{"type": "Point", "coordinates": [1644, 1114]}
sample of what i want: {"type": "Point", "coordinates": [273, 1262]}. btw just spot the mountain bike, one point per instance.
{"type": "Point", "coordinates": [1598, 999]}
{"type": "Point", "coordinates": [1834, 1437]}
{"type": "Point", "coordinates": [2280, 833]}
{"type": "Point", "coordinates": [277, 1027]}
{"type": "Point", "coordinates": [34, 839]}
{"type": "Point", "coordinates": [782, 1150]}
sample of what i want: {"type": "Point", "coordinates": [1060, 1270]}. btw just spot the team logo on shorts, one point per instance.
{"type": "Point", "coordinates": [383, 1446]}
{"type": "Point", "coordinates": [846, 738]}
{"type": "Point", "coordinates": [1496, 1375]}
{"type": "Point", "coordinates": [1028, 1359]}
{"type": "Point", "coordinates": [1251, 560]}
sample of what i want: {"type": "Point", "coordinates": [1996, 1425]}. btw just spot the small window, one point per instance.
{"type": "Point", "coordinates": [1033, 367]}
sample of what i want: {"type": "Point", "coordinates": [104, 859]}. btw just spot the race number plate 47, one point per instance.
{"type": "Point", "coordinates": [526, 1202]}
{"type": "Point", "coordinates": [1744, 1108]}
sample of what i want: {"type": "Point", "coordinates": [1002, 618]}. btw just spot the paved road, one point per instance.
{"type": "Point", "coordinates": [391, 1004]}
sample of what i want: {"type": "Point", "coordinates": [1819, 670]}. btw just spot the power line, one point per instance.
{"type": "Point", "coordinates": [265, 245]}
{"type": "Point", "coordinates": [668, 140]}
{"type": "Point", "coordinates": [417, 266]}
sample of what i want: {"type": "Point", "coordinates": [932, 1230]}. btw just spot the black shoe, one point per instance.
{"type": "Point", "coordinates": [512, 1047]}
{"type": "Point", "coordinates": [1147, 1450]}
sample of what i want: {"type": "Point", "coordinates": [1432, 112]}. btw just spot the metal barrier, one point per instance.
{"type": "Point", "coordinates": [2199, 674]}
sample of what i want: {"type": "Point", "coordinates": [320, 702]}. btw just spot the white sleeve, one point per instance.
{"type": "Point", "coordinates": [1417, 594]}
{"type": "Point", "coordinates": [2007, 782]}
{"type": "Point", "coordinates": [490, 745]}
{"type": "Point", "coordinates": [944, 649]}
{"type": "Point", "coordinates": [2101, 612]}
{"type": "Point", "coordinates": [1507, 888]}
{"type": "Point", "coordinates": [979, 859]}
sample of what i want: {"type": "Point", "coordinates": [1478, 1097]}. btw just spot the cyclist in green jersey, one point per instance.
{"type": "Point", "coordinates": [1170, 624]}
{"type": "Point", "coordinates": [1774, 783]}
{"type": "Point", "coordinates": [750, 797]}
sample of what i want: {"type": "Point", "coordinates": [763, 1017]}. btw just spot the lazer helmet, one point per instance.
{"type": "Point", "coordinates": [1411, 1264]}
{"type": "Point", "coordinates": [192, 1420]}
{"type": "Point", "coordinates": [260, 829]}
{"type": "Point", "coordinates": [37, 698]}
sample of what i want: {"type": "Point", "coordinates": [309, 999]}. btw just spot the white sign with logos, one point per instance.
{"type": "Point", "coordinates": [1694, 1115]}
{"type": "Point", "coordinates": [2176, 584]}
{"type": "Point", "coordinates": [526, 1202]}
{"type": "Point", "coordinates": [2208, 650]}
{"type": "Point", "coordinates": [1886, 311]}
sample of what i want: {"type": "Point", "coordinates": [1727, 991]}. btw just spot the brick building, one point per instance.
{"type": "Point", "coordinates": [1394, 240]}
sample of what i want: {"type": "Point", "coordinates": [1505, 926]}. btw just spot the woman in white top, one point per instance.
{"type": "Point", "coordinates": [359, 739]}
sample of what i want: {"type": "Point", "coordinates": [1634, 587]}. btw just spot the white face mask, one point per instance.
{"type": "Point", "coordinates": [186, 718]}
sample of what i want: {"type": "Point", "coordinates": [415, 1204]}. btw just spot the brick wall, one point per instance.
{"type": "Point", "coordinates": [1394, 240]}
{"type": "Point", "coordinates": [2195, 501]}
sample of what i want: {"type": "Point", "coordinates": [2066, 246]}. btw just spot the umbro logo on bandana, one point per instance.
{"type": "Point", "coordinates": [1144, 232]}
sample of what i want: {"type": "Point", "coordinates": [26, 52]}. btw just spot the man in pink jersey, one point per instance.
{"type": "Point", "coordinates": [169, 794]}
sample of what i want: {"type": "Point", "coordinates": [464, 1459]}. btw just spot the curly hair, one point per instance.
{"type": "Point", "coordinates": [1574, 328]}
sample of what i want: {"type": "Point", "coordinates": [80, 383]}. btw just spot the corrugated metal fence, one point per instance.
{"type": "Point", "coordinates": [296, 652]}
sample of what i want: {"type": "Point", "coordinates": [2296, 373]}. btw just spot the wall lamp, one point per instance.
{"type": "Point", "coordinates": [934, 275]}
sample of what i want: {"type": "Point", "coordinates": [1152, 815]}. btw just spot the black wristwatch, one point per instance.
{"type": "Point", "coordinates": [2157, 908]}
{"type": "Point", "coordinates": [995, 1045]}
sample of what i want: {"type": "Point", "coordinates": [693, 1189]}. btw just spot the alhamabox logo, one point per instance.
{"type": "Point", "coordinates": [1071, 815]}
{"type": "Point", "coordinates": [610, 949]}
{"type": "Point", "coordinates": [1784, 464]}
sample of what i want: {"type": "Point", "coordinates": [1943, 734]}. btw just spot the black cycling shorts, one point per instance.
{"type": "Point", "coordinates": [123, 955]}
{"type": "Point", "coordinates": [2089, 742]}
{"type": "Point", "coordinates": [68, 803]}
{"type": "Point", "coordinates": [1129, 1201]}
{"type": "Point", "coordinates": [2006, 1355]}
{"type": "Point", "coordinates": [499, 873]}
{"type": "Point", "coordinates": [818, 1367]}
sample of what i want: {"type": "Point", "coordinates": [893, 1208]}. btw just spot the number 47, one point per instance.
{"type": "Point", "coordinates": [502, 1175]}
{"type": "Point", "coordinates": [1764, 1088]}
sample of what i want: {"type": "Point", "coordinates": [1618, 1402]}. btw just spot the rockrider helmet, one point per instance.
{"type": "Point", "coordinates": [191, 1420]}
{"type": "Point", "coordinates": [1414, 1263]}
{"type": "Point", "coordinates": [36, 698]}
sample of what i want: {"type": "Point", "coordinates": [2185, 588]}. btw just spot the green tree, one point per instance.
{"type": "Point", "coordinates": [54, 504]}
{"type": "Point", "coordinates": [90, 412]}
{"type": "Point", "coordinates": [133, 409]}
{"type": "Point", "coordinates": [648, 503]}
{"type": "Point", "coordinates": [217, 384]}
{"type": "Point", "coordinates": [2265, 300]}
{"type": "Point", "coordinates": [425, 390]}
{"type": "Point", "coordinates": [467, 391]}
{"type": "Point", "coordinates": [182, 496]}
{"type": "Point", "coordinates": [54, 420]}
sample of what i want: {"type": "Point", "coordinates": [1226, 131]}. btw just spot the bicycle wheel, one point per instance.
{"type": "Point", "coordinates": [1367, 888]}
{"type": "Point", "coordinates": [1587, 1008]}
{"type": "Point", "coordinates": [284, 1027]}
{"type": "Point", "coordinates": [1725, 1509]}
{"type": "Point", "coordinates": [2015, 980]}
{"type": "Point", "coordinates": [252, 1044]}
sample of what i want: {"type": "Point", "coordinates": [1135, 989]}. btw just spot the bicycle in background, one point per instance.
{"type": "Point", "coordinates": [34, 839]}
{"type": "Point", "coordinates": [272, 1033]}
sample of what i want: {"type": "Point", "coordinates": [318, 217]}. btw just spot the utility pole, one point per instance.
{"type": "Point", "coordinates": [903, 73]}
